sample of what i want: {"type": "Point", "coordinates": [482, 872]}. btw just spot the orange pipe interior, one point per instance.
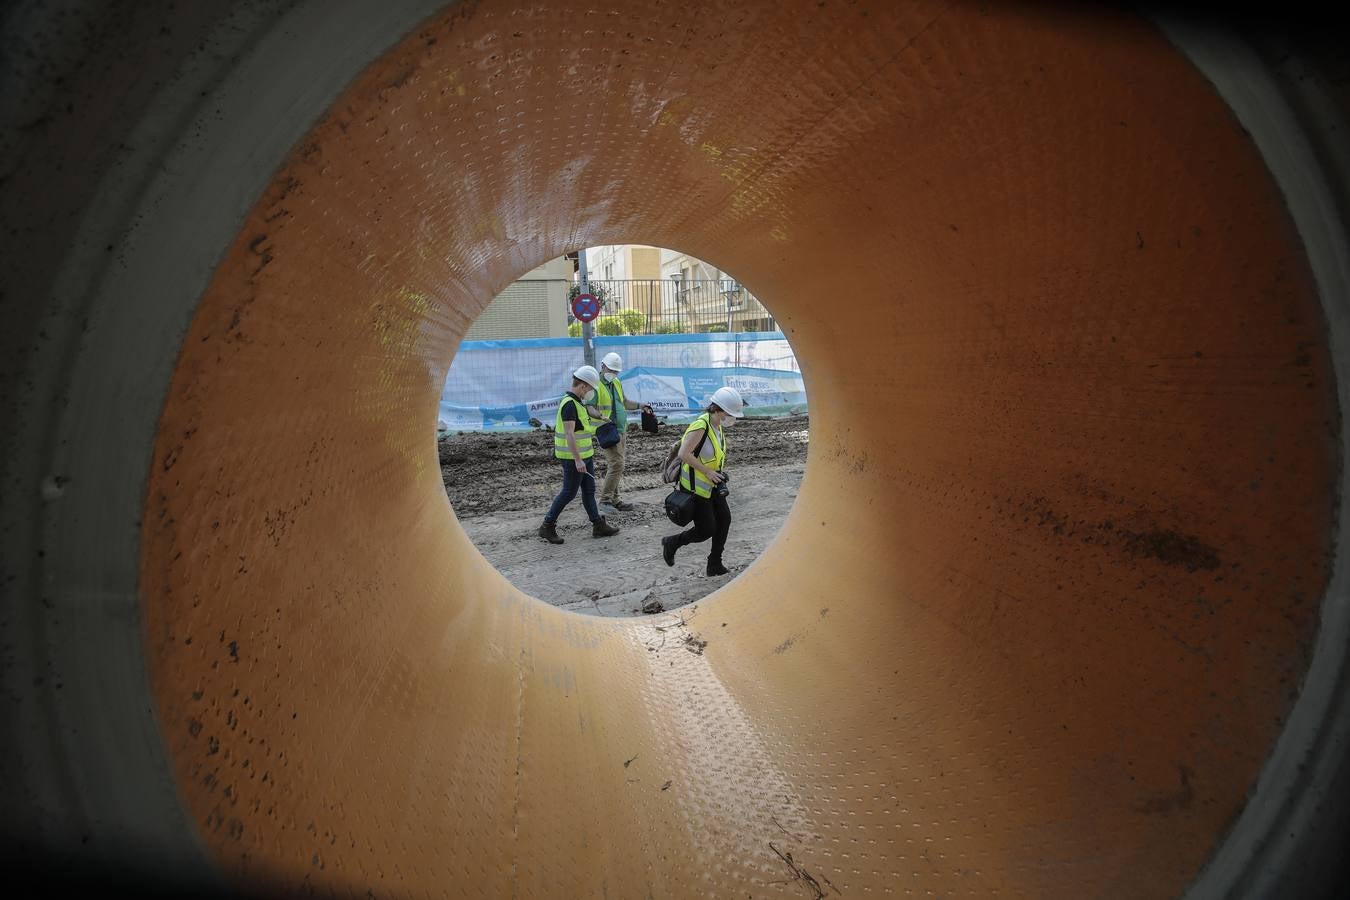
{"type": "Point", "coordinates": [1050, 583]}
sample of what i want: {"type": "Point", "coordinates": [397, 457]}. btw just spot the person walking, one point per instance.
{"type": "Point", "coordinates": [703, 454]}
{"type": "Point", "coordinates": [612, 405]}
{"type": "Point", "coordinates": [573, 446]}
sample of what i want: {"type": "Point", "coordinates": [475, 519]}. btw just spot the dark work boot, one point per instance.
{"type": "Point", "coordinates": [549, 532]}
{"type": "Point", "coordinates": [668, 548]}
{"type": "Point", "coordinates": [603, 528]}
{"type": "Point", "coordinates": [715, 567]}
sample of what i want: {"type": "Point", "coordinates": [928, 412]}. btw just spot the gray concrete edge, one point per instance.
{"type": "Point", "coordinates": [209, 145]}
{"type": "Point", "coordinates": [1276, 837]}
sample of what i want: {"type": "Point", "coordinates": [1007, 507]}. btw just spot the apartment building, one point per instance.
{"type": "Point", "coordinates": [534, 306]}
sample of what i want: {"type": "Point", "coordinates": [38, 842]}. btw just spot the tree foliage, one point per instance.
{"type": "Point", "coordinates": [597, 290]}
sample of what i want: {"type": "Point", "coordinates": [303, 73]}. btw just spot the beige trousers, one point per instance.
{"type": "Point", "coordinates": [609, 491]}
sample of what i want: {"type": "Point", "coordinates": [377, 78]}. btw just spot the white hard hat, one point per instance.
{"type": "Point", "coordinates": [588, 375]}
{"type": "Point", "coordinates": [613, 362]}
{"type": "Point", "coordinates": [729, 399]}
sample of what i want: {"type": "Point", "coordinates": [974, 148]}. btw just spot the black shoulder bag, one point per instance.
{"type": "Point", "coordinates": [679, 502]}
{"type": "Point", "coordinates": [607, 435]}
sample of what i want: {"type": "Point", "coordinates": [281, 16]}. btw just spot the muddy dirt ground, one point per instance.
{"type": "Point", "coordinates": [501, 484]}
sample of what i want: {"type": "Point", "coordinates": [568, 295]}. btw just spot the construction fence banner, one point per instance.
{"type": "Point", "coordinates": [502, 385]}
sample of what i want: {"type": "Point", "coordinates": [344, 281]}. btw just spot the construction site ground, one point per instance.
{"type": "Point", "coordinates": [500, 485]}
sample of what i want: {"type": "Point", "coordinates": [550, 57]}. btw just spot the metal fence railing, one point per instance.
{"type": "Point", "coordinates": [671, 306]}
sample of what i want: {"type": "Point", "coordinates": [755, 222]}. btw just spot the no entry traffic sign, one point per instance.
{"type": "Point", "coordinates": [585, 307]}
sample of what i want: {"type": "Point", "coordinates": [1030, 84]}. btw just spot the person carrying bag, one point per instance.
{"type": "Point", "coordinates": [612, 435]}
{"type": "Point", "coordinates": [573, 439]}
{"type": "Point", "coordinates": [680, 503]}
{"type": "Point", "coordinates": [702, 455]}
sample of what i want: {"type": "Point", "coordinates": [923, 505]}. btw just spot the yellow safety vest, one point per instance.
{"type": "Point", "coordinates": [714, 454]}
{"type": "Point", "coordinates": [583, 431]}
{"type": "Point", "coordinates": [604, 401]}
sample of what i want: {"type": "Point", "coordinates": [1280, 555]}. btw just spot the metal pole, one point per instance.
{"type": "Point", "coordinates": [679, 312]}
{"type": "Point", "coordinates": [727, 293]}
{"type": "Point", "coordinates": [587, 329]}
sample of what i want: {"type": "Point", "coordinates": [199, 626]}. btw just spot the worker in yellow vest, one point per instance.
{"type": "Point", "coordinates": [611, 403]}
{"type": "Point", "coordinates": [703, 455]}
{"type": "Point", "coordinates": [573, 446]}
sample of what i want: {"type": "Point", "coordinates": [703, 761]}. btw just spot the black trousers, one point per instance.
{"type": "Point", "coordinates": [712, 519]}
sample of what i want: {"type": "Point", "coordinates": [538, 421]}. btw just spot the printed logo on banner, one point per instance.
{"type": "Point", "coordinates": [702, 385]}
{"type": "Point", "coordinates": [755, 390]}
{"type": "Point", "coordinates": [772, 353]}
{"type": "Point", "coordinates": [695, 356]}
{"type": "Point", "coordinates": [664, 393]}
{"type": "Point", "coordinates": [460, 418]}
{"type": "Point", "coordinates": [545, 411]}
{"type": "Point", "coordinates": [510, 417]}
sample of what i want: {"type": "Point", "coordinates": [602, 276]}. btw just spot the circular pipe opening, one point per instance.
{"type": "Point", "coordinates": [679, 329]}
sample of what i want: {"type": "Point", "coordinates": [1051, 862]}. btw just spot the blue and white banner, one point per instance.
{"type": "Point", "coordinates": [684, 393]}
{"type": "Point", "coordinates": [503, 385]}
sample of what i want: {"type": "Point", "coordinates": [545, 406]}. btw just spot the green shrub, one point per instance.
{"type": "Point", "coordinates": [719, 328]}
{"type": "Point", "coordinates": [609, 326]}
{"type": "Point", "coordinates": [666, 328]}
{"type": "Point", "coordinates": [632, 320]}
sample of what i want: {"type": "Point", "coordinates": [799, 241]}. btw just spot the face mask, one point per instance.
{"type": "Point", "coordinates": [589, 398]}
{"type": "Point", "coordinates": [608, 376]}
{"type": "Point", "coordinates": [728, 421]}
